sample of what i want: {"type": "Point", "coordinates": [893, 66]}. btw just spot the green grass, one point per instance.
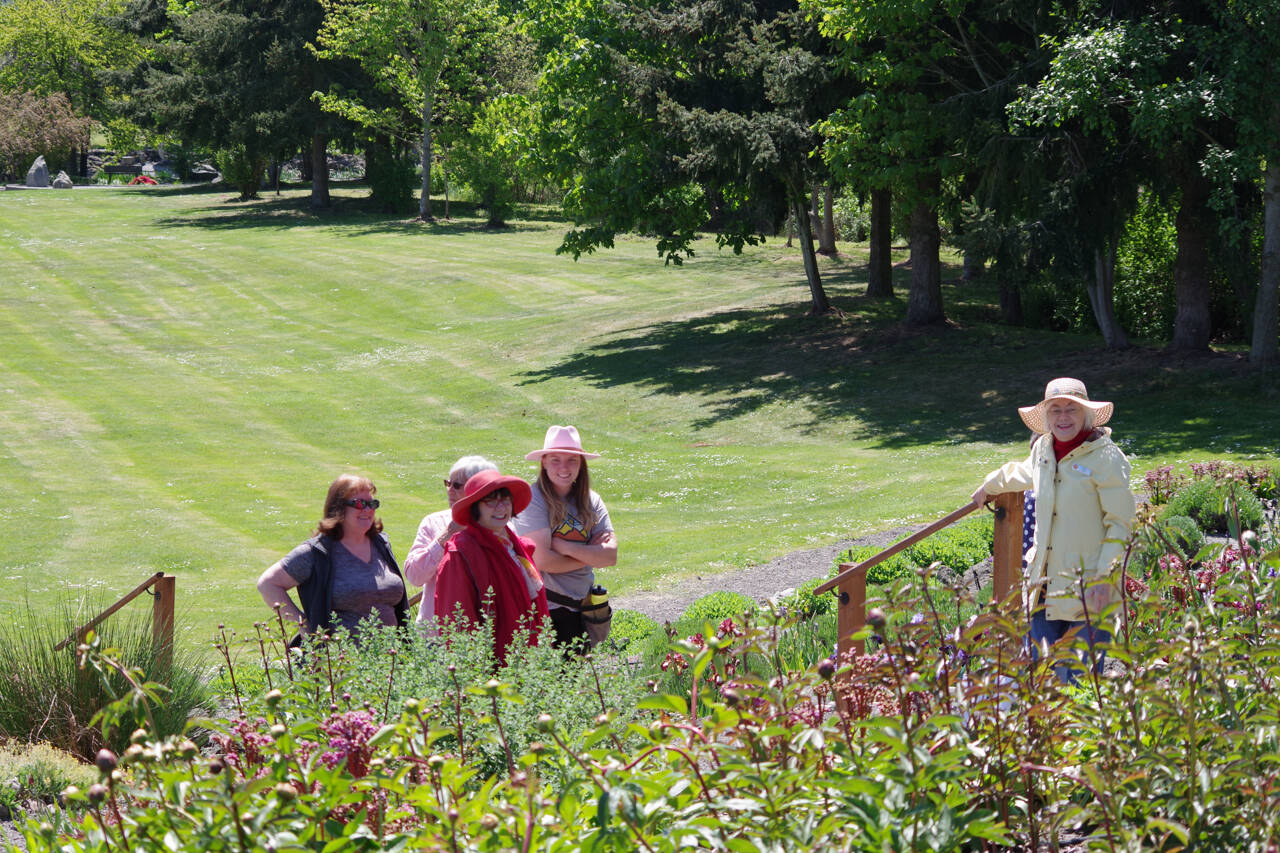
{"type": "Point", "coordinates": [183, 375]}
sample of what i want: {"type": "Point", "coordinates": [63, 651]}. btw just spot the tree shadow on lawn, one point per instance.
{"type": "Point", "coordinates": [904, 386]}
{"type": "Point", "coordinates": [355, 216]}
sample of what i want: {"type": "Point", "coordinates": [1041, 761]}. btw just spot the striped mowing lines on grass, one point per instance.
{"type": "Point", "coordinates": [183, 375]}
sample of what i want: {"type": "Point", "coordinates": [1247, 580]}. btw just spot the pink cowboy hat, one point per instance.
{"type": "Point", "coordinates": [561, 439]}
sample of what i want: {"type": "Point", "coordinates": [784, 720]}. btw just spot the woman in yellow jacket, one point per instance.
{"type": "Point", "coordinates": [1084, 513]}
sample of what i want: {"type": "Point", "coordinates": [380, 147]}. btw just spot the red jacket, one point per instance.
{"type": "Point", "coordinates": [476, 560]}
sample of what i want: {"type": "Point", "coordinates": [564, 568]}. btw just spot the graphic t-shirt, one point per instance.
{"type": "Point", "coordinates": [577, 583]}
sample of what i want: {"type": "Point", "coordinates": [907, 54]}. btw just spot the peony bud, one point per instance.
{"type": "Point", "coordinates": [106, 760]}
{"type": "Point", "coordinates": [827, 669]}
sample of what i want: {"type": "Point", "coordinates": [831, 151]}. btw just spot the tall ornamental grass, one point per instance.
{"type": "Point", "coordinates": [45, 696]}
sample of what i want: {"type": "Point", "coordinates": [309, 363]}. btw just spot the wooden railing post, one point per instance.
{"type": "Point", "coordinates": [1006, 551]}
{"type": "Point", "coordinates": [851, 613]}
{"type": "Point", "coordinates": [162, 621]}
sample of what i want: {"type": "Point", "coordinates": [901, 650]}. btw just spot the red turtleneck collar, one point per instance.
{"type": "Point", "coordinates": [1062, 448]}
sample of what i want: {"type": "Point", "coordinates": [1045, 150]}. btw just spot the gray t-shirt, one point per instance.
{"type": "Point", "coordinates": [358, 587]}
{"type": "Point", "coordinates": [577, 583]}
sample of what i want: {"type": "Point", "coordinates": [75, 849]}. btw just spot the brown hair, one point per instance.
{"type": "Point", "coordinates": [335, 505]}
{"type": "Point", "coordinates": [580, 492]}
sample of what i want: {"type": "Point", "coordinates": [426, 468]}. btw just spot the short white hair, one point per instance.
{"type": "Point", "coordinates": [469, 466]}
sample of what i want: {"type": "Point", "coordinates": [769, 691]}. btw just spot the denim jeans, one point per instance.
{"type": "Point", "coordinates": [1050, 631]}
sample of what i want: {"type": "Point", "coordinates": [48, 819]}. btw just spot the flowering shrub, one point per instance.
{"type": "Point", "coordinates": [1216, 505]}
{"type": "Point", "coordinates": [1162, 483]}
{"type": "Point", "coordinates": [1261, 481]}
{"type": "Point", "coordinates": [945, 736]}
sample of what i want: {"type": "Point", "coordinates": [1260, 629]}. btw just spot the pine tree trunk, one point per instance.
{"type": "Point", "coordinates": [1265, 349]}
{"type": "Point", "coordinates": [320, 171]}
{"type": "Point", "coordinates": [880, 264]}
{"type": "Point", "coordinates": [1006, 269]}
{"type": "Point", "coordinates": [924, 304]}
{"type": "Point", "coordinates": [827, 235]}
{"type": "Point", "coordinates": [819, 305]}
{"type": "Point", "coordinates": [424, 201]}
{"type": "Point", "coordinates": [1102, 298]}
{"type": "Point", "coordinates": [1191, 324]}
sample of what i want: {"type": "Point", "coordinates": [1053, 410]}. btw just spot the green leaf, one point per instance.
{"type": "Point", "coordinates": [664, 702]}
{"type": "Point", "coordinates": [384, 734]}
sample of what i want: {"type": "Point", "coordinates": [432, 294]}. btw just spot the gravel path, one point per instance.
{"type": "Point", "coordinates": [758, 582]}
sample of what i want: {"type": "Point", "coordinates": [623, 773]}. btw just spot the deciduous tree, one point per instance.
{"type": "Point", "coordinates": [405, 46]}
{"type": "Point", "coordinates": [63, 46]}
{"type": "Point", "coordinates": [934, 78]}
{"type": "Point", "coordinates": [31, 126]}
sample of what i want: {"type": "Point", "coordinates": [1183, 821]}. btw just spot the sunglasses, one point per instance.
{"type": "Point", "coordinates": [361, 503]}
{"type": "Point", "coordinates": [454, 484]}
{"type": "Point", "coordinates": [495, 497]}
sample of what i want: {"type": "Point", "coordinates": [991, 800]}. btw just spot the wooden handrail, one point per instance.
{"type": "Point", "coordinates": [950, 518]}
{"type": "Point", "coordinates": [95, 621]}
{"type": "Point", "coordinates": [162, 616]}
{"type": "Point", "coordinates": [851, 582]}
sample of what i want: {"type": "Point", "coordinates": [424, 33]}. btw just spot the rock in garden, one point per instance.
{"type": "Point", "coordinates": [203, 172]}
{"type": "Point", "coordinates": [38, 174]}
{"type": "Point", "coordinates": [62, 182]}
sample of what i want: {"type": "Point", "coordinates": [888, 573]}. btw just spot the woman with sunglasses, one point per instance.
{"type": "Point", "coordinates": [570, 529]}
{"type": "Point", "coordinates": [487, 573]}
{"type": "Point", "coordinates": [345, 570]}
{"type": "Point", "coordinates": [436, 529]}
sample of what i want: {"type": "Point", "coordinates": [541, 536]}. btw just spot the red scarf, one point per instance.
{"type": "Point", "coordinates": [1062, 448]}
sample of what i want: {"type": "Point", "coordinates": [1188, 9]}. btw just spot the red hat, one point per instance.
{"type": "Point", "coordinates": [485, 483]}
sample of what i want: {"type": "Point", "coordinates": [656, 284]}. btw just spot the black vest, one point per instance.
{"type": "Point", "coordinates": [316, 594]}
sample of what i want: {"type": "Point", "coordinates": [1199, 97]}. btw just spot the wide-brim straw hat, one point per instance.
{"type": "Point", "coordinates": [486, 483]}
{"type": "Point", "coordinates": [1064, 388]}
{"type": "Point", "coordinates": [561, 439]}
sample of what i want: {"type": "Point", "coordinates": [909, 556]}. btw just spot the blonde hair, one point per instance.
{"type": "Point", "coordinates": [579, 492]}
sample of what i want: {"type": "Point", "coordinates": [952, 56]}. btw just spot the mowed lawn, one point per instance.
{"type": "Point", "coordinates": [181, 376]}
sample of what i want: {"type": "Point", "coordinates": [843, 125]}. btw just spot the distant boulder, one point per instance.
{"type": "Point", "coordinates": [38, 174]}
{"type": "Point", "coordinates": [62, 182]}
{"type": "Point", "coordinates": [204, 172]}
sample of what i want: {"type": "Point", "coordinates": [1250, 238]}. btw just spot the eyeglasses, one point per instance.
{"type": "Point", "coordinates": [361, 503]}
{"type": "Point", "coordinates": [495, 497]}
{"type": "Point", "coordinates": [453, 484]}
